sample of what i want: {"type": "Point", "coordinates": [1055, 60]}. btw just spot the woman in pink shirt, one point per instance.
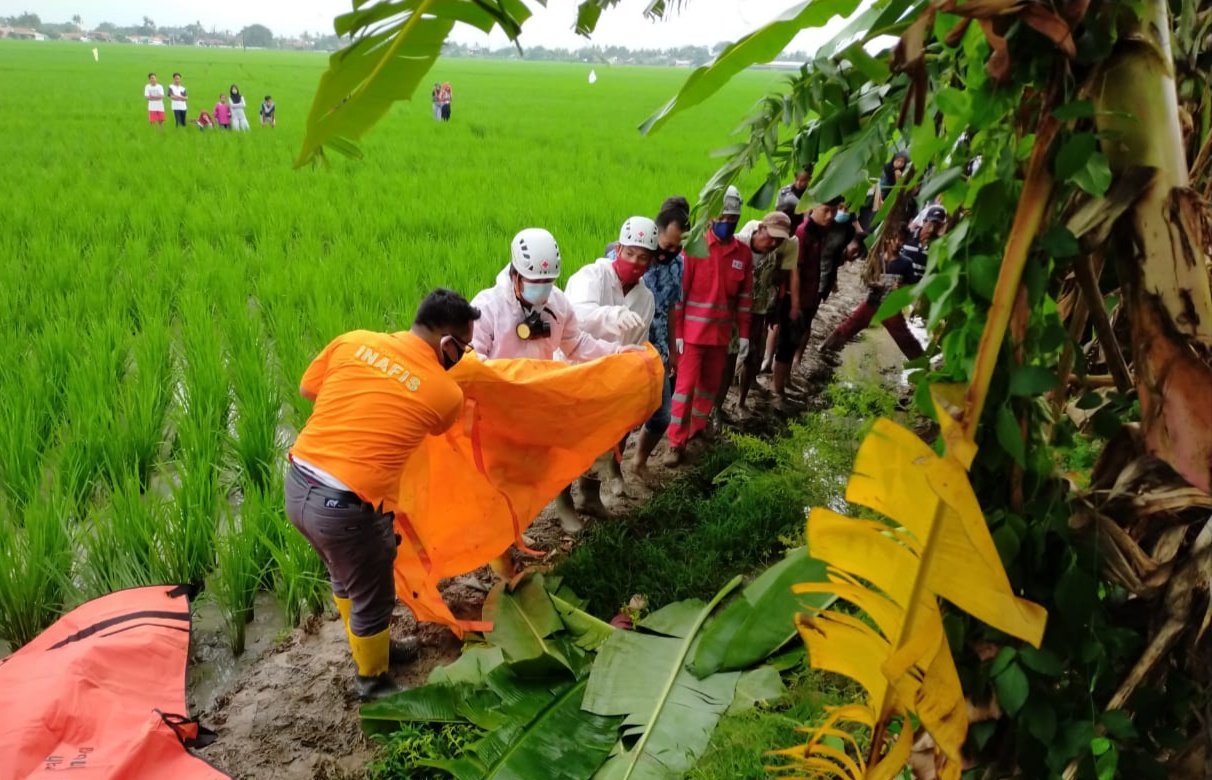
{"type": "Point", "coordinates": [223, 112]}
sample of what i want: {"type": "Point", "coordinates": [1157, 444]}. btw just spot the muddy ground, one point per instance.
{"type": "Point", "coordinates": [285, 712]}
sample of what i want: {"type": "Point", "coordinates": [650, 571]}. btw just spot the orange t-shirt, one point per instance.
{"type": "Point", "coordinates": [378, 395]}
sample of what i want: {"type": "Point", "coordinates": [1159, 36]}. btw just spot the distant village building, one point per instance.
{"type": "Point", "coordinates": [21, 34]}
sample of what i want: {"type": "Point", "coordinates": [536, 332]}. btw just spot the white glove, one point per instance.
{"type": "Point", "coordinates": [681, 345]}
{"type": "Point", "coordinates": [744, 353]}
{"type": "Point", "coordinates": [629, 320]}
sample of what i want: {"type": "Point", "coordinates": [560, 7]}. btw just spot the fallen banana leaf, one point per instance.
{"type": "Point", "coordinates": [757, 686]}
{"type": "Point", "coordinates": [472, 667]}
{"type": "Point", "coordinates": [534, 728]}
{"type": "Point", "coordinates": [524, 621]}
{"type": "Point", "coordinates": [762, 619]}
{"type": "Point", "coordinates": [669, 711]}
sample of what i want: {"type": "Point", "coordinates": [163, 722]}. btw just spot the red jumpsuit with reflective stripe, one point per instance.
{"type": "Point", "coordinates": [716, 292]}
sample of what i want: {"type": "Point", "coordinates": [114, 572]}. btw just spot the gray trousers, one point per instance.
{"type": "Point", "coordinates": [356, 542]}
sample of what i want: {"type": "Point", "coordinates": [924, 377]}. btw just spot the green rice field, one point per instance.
{"type": "Point", "coordinates": [164, 291]}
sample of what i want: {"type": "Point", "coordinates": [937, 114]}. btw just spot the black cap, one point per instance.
{"type": "Point", "coordinates": [935, 213]}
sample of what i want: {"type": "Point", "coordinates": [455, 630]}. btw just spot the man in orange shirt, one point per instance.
{"type": "Point", "coordinates": [377, 396]}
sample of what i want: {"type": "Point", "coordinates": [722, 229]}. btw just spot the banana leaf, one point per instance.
{"type": "Point", "coordinates": [757, 686]}
{"type": "Point", "coordinates": [669, 712]}
{"type": "Point", "coordinates": [534, 728]}
{"type": "Point", "coordinates": [762, 619]}
{"type": "Point", "coordinates": [537, 630]}
{"type": "Point", "coordinates": [472, 667]}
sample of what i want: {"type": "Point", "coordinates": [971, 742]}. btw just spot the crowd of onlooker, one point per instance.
{"type": "Point", "coordinates": [230, 112]}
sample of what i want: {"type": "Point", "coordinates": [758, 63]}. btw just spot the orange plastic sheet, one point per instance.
{"type": "Point", "coordinates": [529, 428]}
{"type": "Point", "coordinates": [100, 695]}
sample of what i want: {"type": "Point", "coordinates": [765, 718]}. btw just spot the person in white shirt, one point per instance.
{"type": "Point", "coordinates": [526, 316]}
{"type": "Point", "coordinates": [613, 304]}
{"type": "Point", "coordinates": [154, 94]}
{"type": "Point", "coordinates": [176, 91]}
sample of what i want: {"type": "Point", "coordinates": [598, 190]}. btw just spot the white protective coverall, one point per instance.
{"type": "Point", "coordinates": [495, 334]}
{"type": "Point", "coordinates": [597, 296]}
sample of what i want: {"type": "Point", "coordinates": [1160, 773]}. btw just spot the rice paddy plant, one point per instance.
{"type": "Point", "coordinates": [258, 401]}
{"type": "Point", "coordinates": [244, 564]}
{"type": "Point", "coordinates": [137, 437]}
{"type": "Point", "coordinates": [188, 543]}
{"type": "Point", "coordinates": [301, 585]}
{"type": "Point", "coordinates": [89, 412]}
{"type": "Point", "coordinates": [123, 543]}
{"type": "Point", "coordinates": [132, 358]}
{"type": "Point", "coordinates": [35, 565]}
{"type": "Point", "coordinates": [26, 424]}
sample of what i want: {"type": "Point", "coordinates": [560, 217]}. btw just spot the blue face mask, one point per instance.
{"type": "Point", "coordinates": [723, 230]}
{"type": "Point", "coordinates": [536, 294]}
{"type": "Point", "coordinates": [842, 217]}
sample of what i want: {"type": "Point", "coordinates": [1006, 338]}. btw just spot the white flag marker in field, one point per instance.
{"type": "Point", "coordinates": [593, 76]}
{"type": "Point", "coordinates": [96, 55]}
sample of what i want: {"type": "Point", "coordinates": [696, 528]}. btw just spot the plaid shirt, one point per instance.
{"type": "Point", "coordinates": [665, 282]}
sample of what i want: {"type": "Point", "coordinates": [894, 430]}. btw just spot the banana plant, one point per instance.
{"type": "Point", "coordinates": [936, 545]}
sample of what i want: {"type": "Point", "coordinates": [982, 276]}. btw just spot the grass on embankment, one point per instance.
{"type": "Point", "coordinates": [733, 514]}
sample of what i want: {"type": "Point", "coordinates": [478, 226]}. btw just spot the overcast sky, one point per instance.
{"type": "Point", "coordinates": [702, 22]}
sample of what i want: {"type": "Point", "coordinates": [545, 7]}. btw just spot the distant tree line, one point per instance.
{"type": "Point", "coordinates": [261, 37]}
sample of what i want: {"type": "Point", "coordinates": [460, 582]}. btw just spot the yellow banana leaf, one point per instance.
{"type": "Point", "coordinates": [937, 546]}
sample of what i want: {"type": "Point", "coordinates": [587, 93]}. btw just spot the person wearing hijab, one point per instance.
{"type": "Point", "coordinates": [444, 98]}
{"type": "Point", "coordinates": [239, 120]}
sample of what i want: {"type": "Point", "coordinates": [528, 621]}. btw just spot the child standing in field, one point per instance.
{"type": "Point", "coordinates": [239, 121]}
{"type": "Point", "coordinates": [223, 112]}
{"type": "Point", "coordinates": [437, 102]}
{"type": "Point", "coordinates": [204, 122]}
{"type": "Point", "coordinates": [177, 92]}
{"type": "Point", "coordinates": [154, 94]}
{"type": "Point", "coordinates": [267, 112]}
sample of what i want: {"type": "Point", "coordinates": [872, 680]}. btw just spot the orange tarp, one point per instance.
{"type": "Point", "coordinates": [100, 695]}
{"type": "Point", "coordinates": [529, 428]}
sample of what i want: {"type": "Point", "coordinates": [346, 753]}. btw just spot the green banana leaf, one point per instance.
{"type": "Point", "coordinates": [668, 711]}
{"type": "Point", "coordinates": [472, 667]}
{"type": "Point", "coordinates": [533, 728]}
{"type": "Point", "coordinates": [757, 686]}
{"type": "Point", "coordinates": [762, 619]}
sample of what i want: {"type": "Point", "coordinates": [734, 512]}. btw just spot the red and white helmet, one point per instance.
{"type": "Point", "coordinates": [536, 255]}
{"type": "Point", "coordinates": [639, 231]}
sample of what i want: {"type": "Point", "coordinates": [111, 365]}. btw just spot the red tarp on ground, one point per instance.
{"type": "Point", "coordinates": [100, 695]}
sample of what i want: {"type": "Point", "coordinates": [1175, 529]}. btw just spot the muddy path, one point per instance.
{"type": "Point", "coordinates": [287, 714]}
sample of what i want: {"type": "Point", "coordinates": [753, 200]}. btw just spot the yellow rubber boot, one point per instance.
{"type": "Point", "coordinates": [344, 606]}
{"type": "Point", "coordinates": [371, 653]}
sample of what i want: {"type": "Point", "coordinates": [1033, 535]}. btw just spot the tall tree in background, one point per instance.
{"type": "Point", "coordinates": [257, 36]}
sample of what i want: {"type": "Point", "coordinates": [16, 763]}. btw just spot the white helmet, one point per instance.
{"type": "Point", "coordinates": [536, 255]}
{"type": "Point", "coordinates": [732, 202]}
{"type": "Point", "coordinates": [639, 231]}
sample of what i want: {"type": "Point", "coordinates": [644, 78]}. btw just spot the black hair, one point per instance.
{"type": "Point", "coordinates": [269, 97]}
{"type": "Point", "coordinates": [444, 309]}
{"type": "Point", "coordinates": [674, 209]}
{"type": "Point", "coordinates": [175, 75]}
{"type": "Point", "coordinates": [149, 75]}
{"type": "Point", "coordinates": [839, 200]}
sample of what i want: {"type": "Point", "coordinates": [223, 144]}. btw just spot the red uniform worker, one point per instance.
{"type": "Point", "coordinates": [717, 293]}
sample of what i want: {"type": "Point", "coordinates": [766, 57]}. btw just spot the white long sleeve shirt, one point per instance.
{"type": "Point", "coordinates": [597, 296]}
{"type": "Point", "coordinates": [496, 335]}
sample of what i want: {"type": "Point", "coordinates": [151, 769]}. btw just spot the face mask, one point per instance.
{"type": "Point", "coordinates": [536, 294]}
{"type": "Point", "coordinates": [447, 362]}
{"type": "Point", "coordinates": [666, 256]}
{"type": "Point", "coordinates": [842, 217]}
{"type": "Point", "coordinates": [629, 273]}
{"type": "Point", "coordinates": [723, 230]}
